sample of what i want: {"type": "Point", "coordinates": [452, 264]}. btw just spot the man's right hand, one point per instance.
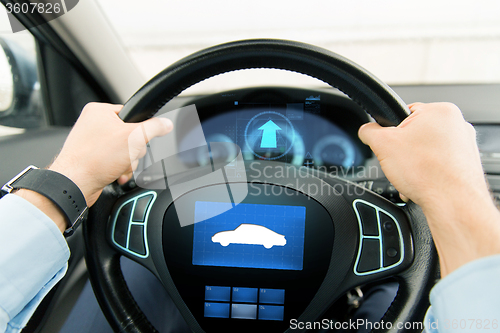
{"type": "Point", "coordinates": [432, 158]}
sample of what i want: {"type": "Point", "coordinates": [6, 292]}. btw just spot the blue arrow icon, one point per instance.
{"type": "Point", "coordinates": [269, 134]}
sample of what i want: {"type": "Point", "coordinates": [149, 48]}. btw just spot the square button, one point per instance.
{"type": "Point", "coordinates": [245, 295]}
{"type": "Point", "coordinates": [368, 217]}
{"type": "Point", "coordinates": [216, 310]}
{"type": "Point", "coordinates": [244, 311]}
{"type": "Point", "coordinates": [271, 312]}
{"type": "Point", "coordinates": [214, 293]}
{"type": "Point", "coordinates": [141, 207]}
{"type": "Point", "coordinates": [122, 224]}
{"type": "Point", "coordinates": [272, 296]}
{"type": "Point", "coordinates": [369, 259]}
{"type": "Point", "coordinates": [136, 240]}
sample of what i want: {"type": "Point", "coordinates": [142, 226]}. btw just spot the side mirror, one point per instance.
{"type": "Point", "coordinates": [19, 87]}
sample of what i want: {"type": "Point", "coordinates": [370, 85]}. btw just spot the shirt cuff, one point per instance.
{"type": "Point", "coordinates": [34, 254]}
{"type": "Point", "coordinates": [17, 323]}
{"type": "Point", "coordinates": [467, 297]}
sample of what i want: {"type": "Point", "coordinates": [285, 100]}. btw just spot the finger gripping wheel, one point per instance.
{"type": "Point", "coordinates": [373, 95]}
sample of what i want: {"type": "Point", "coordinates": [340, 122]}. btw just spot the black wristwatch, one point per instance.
{"type": "Point", "coordinates": [58, 188]}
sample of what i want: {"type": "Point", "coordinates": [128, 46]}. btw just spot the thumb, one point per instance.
{"type": "Point", "coordinates": [369, 132]}
{"type": "Point", "coordinates": [156, 127]}
{"type": "Point", "coordinates": [145, 132]}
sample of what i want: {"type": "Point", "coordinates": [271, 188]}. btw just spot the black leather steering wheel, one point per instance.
{"type": "Point", "coordinates": [419, 264]}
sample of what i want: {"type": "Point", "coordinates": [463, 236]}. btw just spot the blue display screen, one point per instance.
{"type": "Point", "coordinates": [249, 235]}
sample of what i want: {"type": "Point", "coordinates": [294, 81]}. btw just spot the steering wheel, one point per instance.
{"type": "Point", "coordinates": [358, 236]}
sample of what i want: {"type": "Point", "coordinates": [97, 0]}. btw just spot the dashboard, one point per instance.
{"type": "Point", "coordinates": [296, 126]}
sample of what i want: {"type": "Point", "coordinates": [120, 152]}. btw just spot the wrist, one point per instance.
{"type": "Point", "coordinates": [464, 229]}
{"type": "Point", "coordinates": [53, 193]}
{"type": "Point", "coordinates": [466, 205]}
{"type": "Point", "coordinates": [76, 176]}
{"type": "Point", "coordinates": [46, 206]}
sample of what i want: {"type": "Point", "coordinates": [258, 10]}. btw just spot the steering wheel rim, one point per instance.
{"type": "Point", "coordinates": [365, 89]}
{"type": "Point", "coordinates": [377, 98]}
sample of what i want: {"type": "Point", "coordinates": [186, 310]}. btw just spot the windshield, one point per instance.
{"type": "Point", "coordinates": [402, 42]}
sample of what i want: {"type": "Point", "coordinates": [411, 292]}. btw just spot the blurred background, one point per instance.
{"type": "Point", "coordinates": [402, 42]}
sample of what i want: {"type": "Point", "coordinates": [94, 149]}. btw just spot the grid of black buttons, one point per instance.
{"type": "Point", "coordinates": [129, 227]}
{"type": "Point", "coordinates": [380, 246]}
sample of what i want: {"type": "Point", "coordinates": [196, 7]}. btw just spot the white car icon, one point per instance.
{"type": "Point", "coordinates": [250, 234]}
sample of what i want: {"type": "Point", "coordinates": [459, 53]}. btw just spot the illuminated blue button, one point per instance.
{"type": "Point", "coordinates": [244, 311]}
{"type": "Point", "coordinates": [217, 310]}
{"type": "Point", "coordinates": [245, 295]}
{"type": "Point", "coordinates": [272, 296]}
{"type": "Point", "coordinates": [213, 293]}
{"type": "Point", "coordinates": [271, 312]}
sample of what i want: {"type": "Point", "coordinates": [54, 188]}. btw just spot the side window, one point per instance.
{"type": "Point", "coordinates": [21, 105]}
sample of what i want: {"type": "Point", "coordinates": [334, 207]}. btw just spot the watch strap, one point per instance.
{"type": "Point", "coordinates": [58, 188]}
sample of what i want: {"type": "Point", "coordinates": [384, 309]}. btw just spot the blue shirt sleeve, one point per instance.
{"type": "Point", "coordinates": [467, 300]}
{"type": "Point", "coordinates": [33, 259]}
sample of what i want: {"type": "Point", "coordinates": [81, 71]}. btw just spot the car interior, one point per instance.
{"type": "Point", "coordinates": [262, 246]}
